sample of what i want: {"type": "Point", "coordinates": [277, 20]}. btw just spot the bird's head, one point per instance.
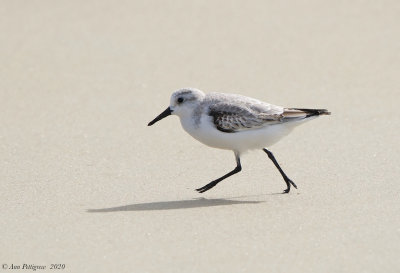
{"type": "Point", "coordinates": [182, 103]}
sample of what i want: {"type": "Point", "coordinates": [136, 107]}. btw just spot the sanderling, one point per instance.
{"type": "Point", "coordinates": [235, 122]}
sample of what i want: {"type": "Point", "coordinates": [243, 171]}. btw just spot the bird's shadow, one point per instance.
{"type": "Point", "coordinates": [174, 205]}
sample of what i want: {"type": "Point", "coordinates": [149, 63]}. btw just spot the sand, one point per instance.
{"type": "Point", "coordinates": [85, 183]}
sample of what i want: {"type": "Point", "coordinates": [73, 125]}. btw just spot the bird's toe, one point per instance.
{"type": "Point", "coordinates": [206, 187]}
{"type": "Point", "coordinates": [291, 182]}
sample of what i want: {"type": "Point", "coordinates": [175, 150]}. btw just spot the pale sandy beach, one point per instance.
{"type": "Point", "coordinates": [85, 182]}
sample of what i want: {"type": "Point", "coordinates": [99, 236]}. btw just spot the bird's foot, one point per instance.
{"type": "Point", "coordinates": [289, 182]}
{"type": "Point", "coordinates": [207, 187]}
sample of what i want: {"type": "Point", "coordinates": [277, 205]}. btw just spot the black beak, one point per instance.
{"type": "Point", "coordinates": [164, 114]}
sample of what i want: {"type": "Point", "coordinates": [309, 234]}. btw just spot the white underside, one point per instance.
{"type": "Point", "coordinates": [242, 141]}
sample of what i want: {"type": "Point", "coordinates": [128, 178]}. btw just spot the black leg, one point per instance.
{"type": "Point", "coordinates": [215, 182]}
{"type": "Point", "coordinates": [287, 180]}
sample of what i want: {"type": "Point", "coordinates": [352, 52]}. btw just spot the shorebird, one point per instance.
{"type": "Point", "coordinates": [235, 122]}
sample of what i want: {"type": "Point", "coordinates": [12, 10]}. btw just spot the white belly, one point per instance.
{"type": "Point", "coordinates": [241, 141]}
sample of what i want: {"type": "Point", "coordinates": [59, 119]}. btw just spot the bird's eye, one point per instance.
{"type": "Point", "coordinates": [180, 100]}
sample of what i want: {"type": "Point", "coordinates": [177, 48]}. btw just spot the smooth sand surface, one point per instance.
{"type": "Point", "coordinates": [85, 182]}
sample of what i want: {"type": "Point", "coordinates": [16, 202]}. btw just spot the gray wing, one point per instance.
{"type": "Point", "coordinates": [234, 113]}
{"type": "Point", "coordinates": [243, 114]}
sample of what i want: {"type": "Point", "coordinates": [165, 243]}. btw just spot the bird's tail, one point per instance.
{"type": "Point", "coordinates": [314, 112]}
{"type": "Point", "coordinates": [304, 113]}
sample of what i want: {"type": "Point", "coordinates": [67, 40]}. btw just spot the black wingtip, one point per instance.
{"type": "Point", "coordinates": [323, 112]}
{"type": "Point", "coordinates": [314, 112]}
